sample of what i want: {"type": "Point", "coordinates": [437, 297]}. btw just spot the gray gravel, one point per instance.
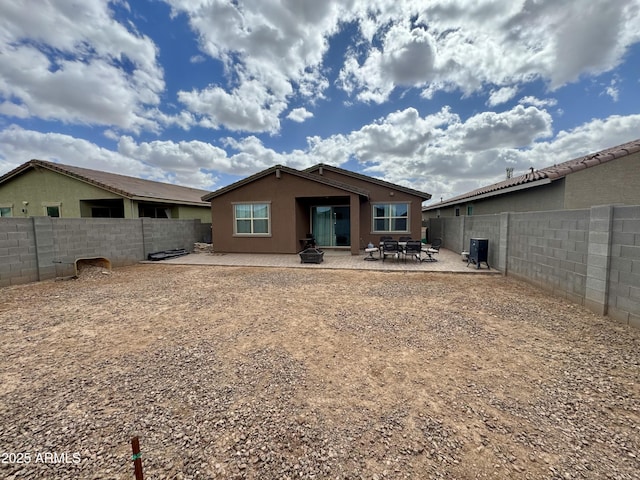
{"type": "Point", "coordinates": [219, 381]}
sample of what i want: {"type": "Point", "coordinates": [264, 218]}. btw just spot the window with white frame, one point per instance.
{"type": "Point", "coordinates": [52, 209]}
{"type": "Point", "coordinates": [391, 217]}
{"type": "Point", "coordinates": [252, 219]}
{"type": "Point", "coordinates": [6, 210]}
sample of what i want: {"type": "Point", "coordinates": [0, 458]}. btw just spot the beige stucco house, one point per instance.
{"type": "Point", "coordinates": [40, 188]}
{"type": "Point", "coordinates": [611, 176]}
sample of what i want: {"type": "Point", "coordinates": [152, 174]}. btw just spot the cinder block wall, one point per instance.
{"type": "Point", "coordinates": [162, 234]}
{"type": "Point", "coordinates": [18, 260]}
{"type": "Point", "coordinates": [590, 256]}
{"type": "Point", "coordinates": [549, 249]}
{"type": "Point", "coordinates": [483, 226]}
{"type": "Point", "coordinates": [41, 248]}
{"type": "Point", "coordinates": [119, 240]}
{"type": "Point", "coordinates": [624, 273]}
{"type": "Point", "coordinates": [452, 233]}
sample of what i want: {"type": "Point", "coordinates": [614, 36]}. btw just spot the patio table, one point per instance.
{"type": "Point", "coordinates": [425, 248]}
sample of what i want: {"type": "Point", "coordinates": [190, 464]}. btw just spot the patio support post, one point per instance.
{"type": "Point", "coordinates": [354, 207]}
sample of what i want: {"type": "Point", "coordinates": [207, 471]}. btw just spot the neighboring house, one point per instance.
{"type": "Point", "coordinates": [39, 188]}
{"type": "Point", "coordinates": [274, 210]}
{"type": "Point", "coordinates": [611, 176]}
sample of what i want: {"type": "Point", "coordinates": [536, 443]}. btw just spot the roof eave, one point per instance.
{"type": "Point", "coordinates": [423, 195]}
{"type": "Point", "coordinates": [301, 174]}
{"type": "Point", "coordinates": [141, 198]}
{"type": "Point", "coordinates": [515, 188]}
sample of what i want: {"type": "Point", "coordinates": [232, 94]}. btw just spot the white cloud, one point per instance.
{"type": "Point", "coordinates": [438, 153]}
{"type": "Point", "coordinates": [11, 109]}
{"type": "Point", "coordinates": [299, 115]}
{"type": "Point", "coordinates": [473, 44]}
{"type": "Point", "coordinates": [76, 63]}
{"type": "Point", "coordinates": [538, 102]}
{"type": "Point", "coordinates": [184, 161]}
{"type": "Point", "coordinates": [18, 145]}
{"type": "Point", "coordinates": [435, 151]}
{"type": "Point", "coordinates": [515, 128]}
{"type": "Point", "coordinates": [501, 95]}
{"type": "Point", "coordinates": [272, 50]}
{"type": "Point", "coordinates": [250, 107]}
{"type": "Point", "coordinates": [182, 164]}
{"type": "Point", "coordinates": [407, 58]}
{"type": "Point", "coordinates": [613, 92]}
{"type": "Point", "coordinates": [62, 61]}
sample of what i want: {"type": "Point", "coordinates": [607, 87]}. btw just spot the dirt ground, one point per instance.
{"type": "Point", "coordinates": [265, 373]}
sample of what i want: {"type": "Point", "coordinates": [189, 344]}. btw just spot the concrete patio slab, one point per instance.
{"type": "Point", "coordinates": [447, 262]}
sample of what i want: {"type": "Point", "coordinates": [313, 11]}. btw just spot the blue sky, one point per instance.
{"type": "Point", "coordinates": [441, 96]}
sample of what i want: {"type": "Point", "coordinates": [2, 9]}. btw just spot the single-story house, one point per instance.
{"type": "Point", "coordinates": [611, 176]}
{"type": "Point", "coordinates": [274, 210]}
{"type": "Point", "coordinates": [40, 188]}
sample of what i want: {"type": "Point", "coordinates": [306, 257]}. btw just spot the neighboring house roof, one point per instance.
{"type": "Point", "coordinates": [291, 171]}
{"type": "Point", "coordinates": [423, 195]}
{"type": "Point", "coordinates": [129, 187]}
{"type": "Point", "coordinates": [543, 176]}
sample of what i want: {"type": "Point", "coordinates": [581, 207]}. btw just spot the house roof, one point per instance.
{"type": "Point", "coordinates": [543, 176]}
{"type": "Point", "coordinates": [129, 187]}
{"type": "Point", "coordinates": [291, 171]}
{"type": "Point", "coordinates": [359, 176]}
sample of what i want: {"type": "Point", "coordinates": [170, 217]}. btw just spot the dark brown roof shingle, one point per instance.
{"type": "Point", "coordinates": [291, 171]}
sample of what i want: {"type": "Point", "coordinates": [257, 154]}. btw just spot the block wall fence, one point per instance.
{"type": "Point", "coordinates": [42, 248]}
{"type": "Point", "coordinates": [590, 256]}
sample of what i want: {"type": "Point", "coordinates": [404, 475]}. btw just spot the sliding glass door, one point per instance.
{"type": "Point", "coordinates": [331, 226]}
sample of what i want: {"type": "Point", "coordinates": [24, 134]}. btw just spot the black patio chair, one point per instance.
{"type": "Point", "coordinates": [383, 238]}
{"type": "Point", "coordinates": [413, 248]}
{"type": "Point", "coordinates": [432, 250]}
{"type": "Point", "coordinates": [310, 241]}
{"type": "Point", "coordinates": [436, 244]}
{"type": "Point", "coordinates": [390, 248]}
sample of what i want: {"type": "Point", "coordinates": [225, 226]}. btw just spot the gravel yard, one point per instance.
{"type": "Point", "coordinates": [265, 373]}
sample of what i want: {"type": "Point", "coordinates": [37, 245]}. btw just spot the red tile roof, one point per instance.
{"type": "Point", "coordinates": [549, 173]}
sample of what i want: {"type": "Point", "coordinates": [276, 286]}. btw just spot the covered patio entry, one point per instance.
{"type": "Point", "coordinates": [334, 221]}
{"type": "Point", "coordinates": [330, 225]}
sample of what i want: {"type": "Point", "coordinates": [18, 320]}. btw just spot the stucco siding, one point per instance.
{"type": "Point", "coordinates": [39, 187]}
{"type": "Point", "coordinates": [286, 214]}
{"type": "Point", "coordinates": [185, 212]}
{"type": "Point", "coordinates": [613, 182]}
{"type": "Point", "coordinates": [541, 198]}
{"type": "Point", "coordinates": [380, 194]}
{"type": "Point", "coordinates": [291, 198]}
